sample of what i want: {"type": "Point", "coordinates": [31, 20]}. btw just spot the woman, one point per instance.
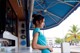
{"type": "Point", "coordinates": [39, 40]}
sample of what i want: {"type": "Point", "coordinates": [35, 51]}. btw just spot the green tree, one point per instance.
{"type": "Point", "coordinates": [73, 34]}
{"type": "Point", "coordinates": [59, 40]}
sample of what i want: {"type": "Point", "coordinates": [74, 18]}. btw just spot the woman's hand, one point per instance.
{"type": "Point", "coordinates": [51, 49]}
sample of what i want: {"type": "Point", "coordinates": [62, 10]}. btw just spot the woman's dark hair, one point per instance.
{"type": "Point", "coordinates": [37, 18]}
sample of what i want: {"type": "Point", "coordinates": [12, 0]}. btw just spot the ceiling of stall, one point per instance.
{"type": "Point", "coordinates": [17, 7]}
{"type": "Point", "coordinates": [54, 11]}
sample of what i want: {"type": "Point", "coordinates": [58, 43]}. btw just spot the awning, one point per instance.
{"type": "Point", "coordinates": [54, 11]}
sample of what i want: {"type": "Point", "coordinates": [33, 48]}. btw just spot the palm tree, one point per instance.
{"type": "Point", "coordinates": [73, 34]}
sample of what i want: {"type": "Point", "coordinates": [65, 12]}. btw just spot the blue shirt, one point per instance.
{"type": "Point", "coordinates": [41, 40]}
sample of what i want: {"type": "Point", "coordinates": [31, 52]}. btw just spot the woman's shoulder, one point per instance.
{"type": "Point", "coordinates": [36, 30]}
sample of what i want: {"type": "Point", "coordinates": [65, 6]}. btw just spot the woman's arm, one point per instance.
{"type": "Point", "coordinates": [34, 43]}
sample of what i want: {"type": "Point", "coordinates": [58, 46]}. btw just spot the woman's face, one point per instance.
{"type": "Point", "coordinates": [42, 23]}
